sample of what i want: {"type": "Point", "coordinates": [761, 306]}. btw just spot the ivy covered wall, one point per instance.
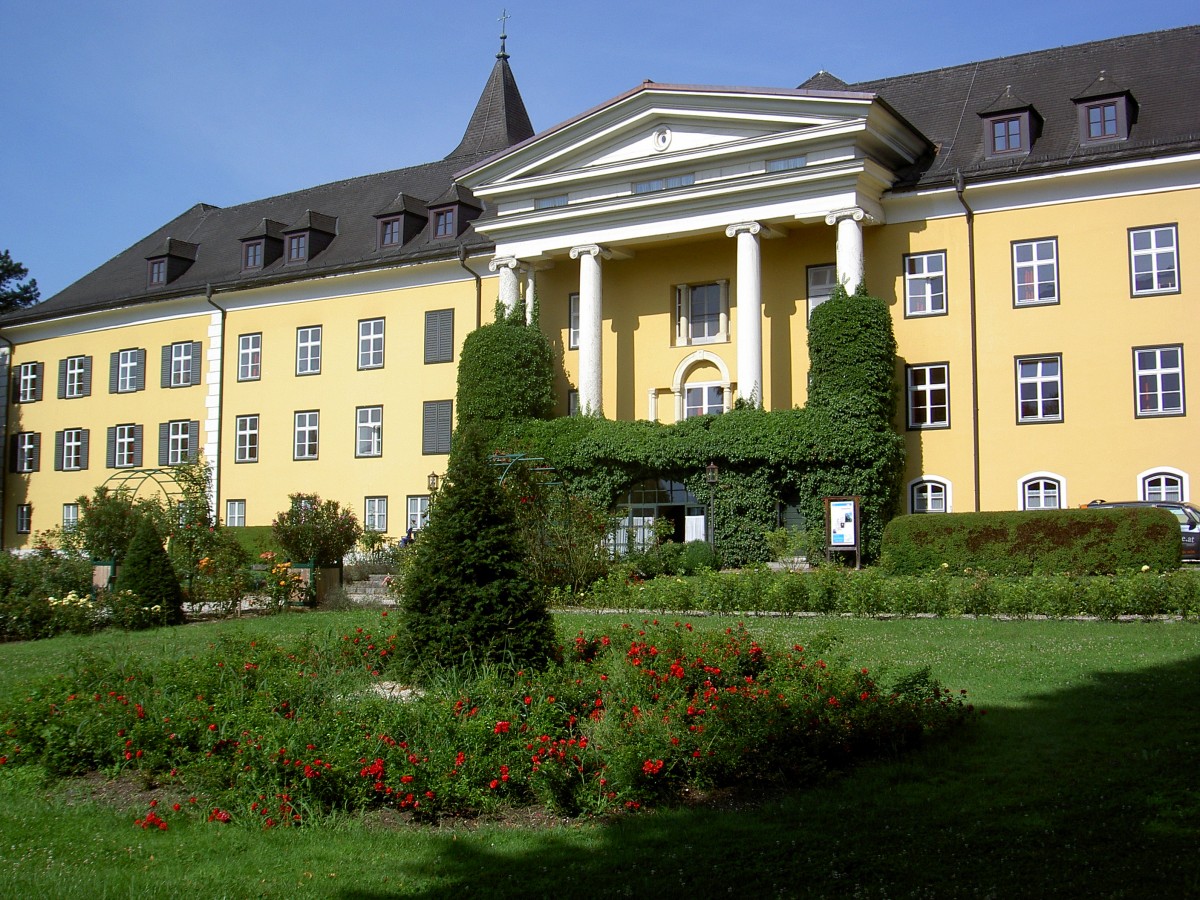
{"type": "Point", "coordinates": [841, 444]}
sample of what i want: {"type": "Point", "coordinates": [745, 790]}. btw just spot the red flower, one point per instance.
{"type": "Point", "coordinates": [501, 728]}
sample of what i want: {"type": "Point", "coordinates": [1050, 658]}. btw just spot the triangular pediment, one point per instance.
{"type": "Point", "coordinates": [671, 159]}
{"type": "Point", "coordinates": [663, 122]}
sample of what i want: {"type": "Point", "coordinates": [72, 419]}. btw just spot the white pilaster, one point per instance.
{"type": "Point", "coordinates": [850, 266]}
{"type": "Point", "coordinates": [749, 306]}
{"type": "Point", "coordinates": [591, 384]}
{"type": "Point", "coordinates": [510, 284]}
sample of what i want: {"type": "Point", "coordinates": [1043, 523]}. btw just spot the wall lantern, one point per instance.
{"type": "Point", "coordinates": [432, 481]}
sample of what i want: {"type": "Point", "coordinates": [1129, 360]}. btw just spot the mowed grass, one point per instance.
{"type": "Point", "coordinates": [1081, 780]}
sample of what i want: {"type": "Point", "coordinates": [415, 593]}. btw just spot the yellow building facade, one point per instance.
{"type": "Point", "coordinates": [1031, 232]}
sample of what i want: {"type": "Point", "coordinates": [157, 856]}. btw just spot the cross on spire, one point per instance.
{"type": "Point", "coordinates": [503, 20]}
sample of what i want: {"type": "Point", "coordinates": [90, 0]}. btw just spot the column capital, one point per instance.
{"type": "Point", "coordinates": [754, 228]}
{"type": "Point", "coordinates": [855, 213]}
{"type": "Point", "coordinates": [504, 262]}
{"type": "Point", "coordinates": [593, 250]}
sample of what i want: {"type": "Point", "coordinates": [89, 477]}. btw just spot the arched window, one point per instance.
{"type": "Point", "coordinates": [1162, 485]}
{"type": "Point", "coordinates": [929, 495]}
{"type": "Point", "coordinates": [1042, 491]}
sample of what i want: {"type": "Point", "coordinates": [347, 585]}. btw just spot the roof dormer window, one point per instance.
{"type": "Point", "coordinates": [1010, 125]}
{"type": "Point", "coordinates": [443, 223]}
{"type": "Point", "coordinates": [170, 261]}
{"type": "Point", "coordinates": [297, 247]}
{"type": "Point", "coordinates": [305, 239]}
{"type": "Point", "coordinates": [252, 255]}
{"type": "Point", "coordinates": [1106, 112]}
{"type": "Point", "coordinates": [389, 232]}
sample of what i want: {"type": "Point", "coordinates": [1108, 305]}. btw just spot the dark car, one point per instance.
{"type": "Point", "coordinates": [1188, 515]}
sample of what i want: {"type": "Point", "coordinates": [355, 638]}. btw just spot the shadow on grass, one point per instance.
{"type": "Point", "coordinates": [1091, 791]}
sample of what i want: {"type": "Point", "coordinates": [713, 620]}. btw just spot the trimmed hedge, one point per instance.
{"type": "Point", "coordinates": [835, 591]}
{"type": "Point", "coordinates": [1077, 541]}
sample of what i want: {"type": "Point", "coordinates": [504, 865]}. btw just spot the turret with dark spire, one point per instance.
{"type": "Point", "coordinates": [500, 119]}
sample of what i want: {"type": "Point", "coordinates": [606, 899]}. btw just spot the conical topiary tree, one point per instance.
{"type": "Point", "coordinates": [467, 596]}
{"type": "Point", "coordinates": [147, 572]}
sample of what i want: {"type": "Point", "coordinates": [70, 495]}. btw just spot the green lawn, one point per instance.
{"type": "Point", "coordinates": [1082, 780]}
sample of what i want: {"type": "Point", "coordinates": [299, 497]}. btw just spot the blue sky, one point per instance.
{"type": "Point", "coordinates": [118, 116]}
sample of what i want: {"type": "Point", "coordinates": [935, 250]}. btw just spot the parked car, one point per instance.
{"type": "Point", "coordinates": [1188, 515]}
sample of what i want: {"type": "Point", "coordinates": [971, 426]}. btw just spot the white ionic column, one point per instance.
{"type": "Point", "coordinates": [749, 307]}
{"type": "Point", "coordinates": [850, 266]}
{"type": "Point", "coordinates": [510, 283]}
{"type": "Point", "coordinates": [529, 289]}
{"type": "Point", "coordinates": [591, 384]}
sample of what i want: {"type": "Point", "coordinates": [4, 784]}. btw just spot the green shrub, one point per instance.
{"type": "Point", "coordinates": [1079, 541]}
{"type": "Point", "coordinates": [831, 590]}
{"type": "Point", "coordinates": [468, 594]}
{"type": "Point", "coordinates": [315, 530]}
{"type": "Point", "coordinates": [26, 585]}
{"type": "Point", "coordinates": [148, 591]}
{"type": "Point", "coordinates": [505, 372]}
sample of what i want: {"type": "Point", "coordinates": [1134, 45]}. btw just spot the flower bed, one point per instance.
{"type": "Point", "coordinates": [273, 736]}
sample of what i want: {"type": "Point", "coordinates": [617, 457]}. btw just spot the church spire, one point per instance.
{"type": "Point", "coordinates": [500, 119]}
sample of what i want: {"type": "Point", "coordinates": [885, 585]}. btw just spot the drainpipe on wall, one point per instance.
{"type": "Point", "coordinates": [208, 296]}
{"type": "Point", "coordinates": [960, 188]}
{"type": "Point", "coordinates": [7, 385]}
{"type": "Point", "coordinates": [462, 261]}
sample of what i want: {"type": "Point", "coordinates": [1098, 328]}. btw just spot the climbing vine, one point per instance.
{"type": "Point", "coordinates": [841, 444]}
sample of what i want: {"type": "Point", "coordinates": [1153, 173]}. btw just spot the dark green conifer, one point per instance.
{"type": "Point", "coordinates": [468, 595]}
{"type": "Point", "coordinates": [148, 573]}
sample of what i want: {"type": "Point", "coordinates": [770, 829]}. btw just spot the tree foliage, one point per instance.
{"type": "Point", "coordinates": [108, 521]}
{"type": "Point", "coordinates": [13, 294]}
{"type": "Point", "coordinates": [316, 530]}
{"type": "Point", "coordinates": [148, 573]}
{"type": "Point", "coordinates": [468, 595]}
{"type": "Point", "coordinates": [505, 373]}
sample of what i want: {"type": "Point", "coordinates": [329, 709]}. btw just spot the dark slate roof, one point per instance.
{"type": "Point", "coordinates": [1160, 70]}
{"type": "Point", "coordinates": [348, 209]}
{"type": "Point", "coordinates": [499, 120]}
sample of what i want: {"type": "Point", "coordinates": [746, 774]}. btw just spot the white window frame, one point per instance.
{"type": "Point", "coordinates": [250, 357]}
{"type": "Point", "coordinates": [925, 389]}
{"type": "Point", "coordinates": [306, 442]}
{"type": "Point", "coordinates": [375, 513]}
{"type": "Point", "coordinates": [1158, 258]}
{"type": "Point", "coordinates": [127, 371]}
{"type": "Point", "coordinates": [308, 350]}
{"type": "Point", "coordinates": [27, 382]}
{"type": "Point", "coordinates": [235, 513]}
{"type": "Point", "coordinates": [72, 454]}
{"type": "Point", "coordinates": [370, 343]}
{"type": "Point", "coordinates": [1149, 374]}
{"type": "Point", "coordinates": [181, 364]}
{"type": "Point", "coordinates": [1158, 493]}
{"type": "Point", "coordinates": [820, 280]}
{"type": "Point", "coordinates": [70, 516]}
{"type": "Point", "coordinates": [685, 330]}
{"type": "Point", "coordinates": [246, 439]}
{"type": "Point", "coordinates": [28, 446]}
{"type": "Point", "coordinates": [1035, 272]}
{"type": "Point", "coordinates": [1034, 487]}
{"type": "Point", "coordinates": [1038, 385]}
{"type": "Point", "coordinates": [179, 449]}
{"type": "Point", "coordinates": [709, 404]}
{"type": "Point", "coordinates": [418, 511]}
{"type": "Point", "coordinates": [572, 402]}
{"type": "Point", "coordinates": [921, 491]}
{"type": "Point", "coordinates": [368, 431]}
{"type": "Point", "coordinates": [573, 321]}
{"type": "Point", "coordinates": [925, 284]}
{"type": "Point", "coordinates": [124, 446]}
{"type": "Point", "coordinates": [76, 377]}
{"type": "Point", "coordinates": [24, 518]}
